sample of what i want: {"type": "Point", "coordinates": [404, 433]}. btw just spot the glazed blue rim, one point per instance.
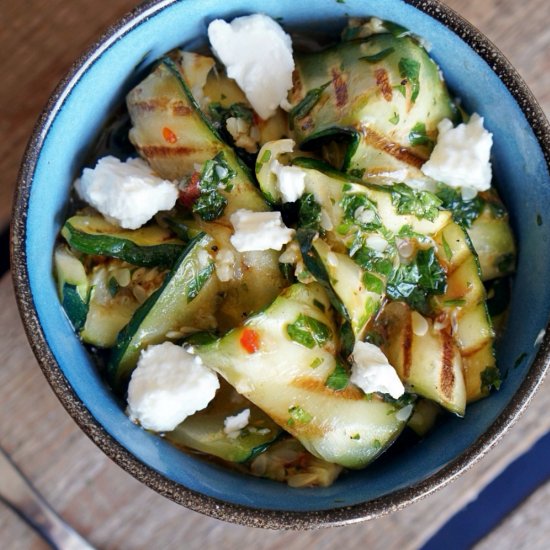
{"type": "Point", "coordinates": [191, 499]}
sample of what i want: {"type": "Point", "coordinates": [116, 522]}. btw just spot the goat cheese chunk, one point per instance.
{"type": "Point", "coordinates": [168, 385]}
{"type": "Point", "coordinates": [372, 372]}
{"type": "Point", "coordinates": [291, 180]}
{"type": "Point", "coordinates": [233, 425]}
{"type": "Point", "coordinates": [258, 55]}
{"type": "Point", "coordinates": [461, 156]}
{"type": "Point", "coordinates": [259, 231]}
{"type": "Point", "coordinates": [127, 193]}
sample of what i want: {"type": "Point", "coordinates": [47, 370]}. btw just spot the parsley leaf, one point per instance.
{"type": "Point", "coordinates": [418, 136]}
{"type": "Point", "coordinates": [464, 212]}
{"type": "Point", "coordinates": [414, 283]}
{"type": "Point", "coordinates": [373, 261]}
{"type": "Point", "coordinates": [309, 212]}
{"type": "Point", "coordinates": [338, 379]}
{"type": "Point", "coordinates": [216, 175]}
{"type": "Point", "coordinates": [490, 378]}
{"type": "Point", "coordinates": [220, 114]}
{"type": "Point", "coordinates": [308, 332]}
{"type": "Point", "coordinates": [361, 211]}
{"type": "Point", "coordinates": [410, 70]}
{"type": "Point", "coordinates": [297, 414]}
{"type": "Point", "coordinates": [422, 204]}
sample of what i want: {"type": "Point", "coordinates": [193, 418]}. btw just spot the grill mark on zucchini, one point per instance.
{"type": "Point", "coordinates": [383, 83]}
{"type": "Point", "coordinates": [447, 379]}
{"type": "Point", "coordinates": [165, 151]}
{"type": "Point", "coordinates": [318, 386]}
{"type": "Point", "coordinates": [340, 88]}
{"type": "Point", "coordinates": [399, 152]}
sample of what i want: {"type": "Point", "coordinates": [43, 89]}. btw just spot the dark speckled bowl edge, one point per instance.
{"type": "Point", "coordinates": [252, 517]}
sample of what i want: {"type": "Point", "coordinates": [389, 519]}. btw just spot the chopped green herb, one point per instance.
{"type": "Point", "coordinates": [447, 249]}
{"type": "Point", "coordinates": [418, 136]}
{"type": "Point", "coordinates": [199, 281]}
{"type": "Point", "coordinates": [376, 444]}
{"type": "Point", "coordinates": [372, 261]}
{"type": "Point", "coordinates": [113, 286]}
{"type": "Point", "coordinates": [316, 362]}
{"type": "Point", "coordinates": [375, 58]}
{"type": "Point", "coordinates": [340, 1]}
{"type": "Point", "coordinates": [338, 379]}
{"type": "Point", "coordinates": [373, 283]}
{"type": "Point", "coordinates": [490, 378]}
{"type": "Point", "coordinates": [421, 204]}
{"type": "Point", "coordinates": [309, 212]}
{"type": "Point", "coordinates": [356, 437]}
{"type": "Point", "coordinates": [297, 414]}
{"type": "Point", "coordinates": [308, 332]}
{"type": "Point", "coordinates": [265, 157]}
{"type": "Point", "coordinates": [414, 283]}
{"type": "Point", "coordinates": [394, 119]}
{"type": "Point", "coordinates": [216, 175]}
{"type": "Point", "coordinates": [304, 107]}
{"type": "Point", "coordinates": [360, 210]}
{"type": "Point", "coordinates": [210, 206]}
{"type": "Point", "coordinates": [410, 69]}
{"type": "Point", "coordinates": [220, 114]}
{"type": "Point", "coordinates": [519, 360]}
{"type": "Point", "coordinates": [464, 212]}
{"type": "Point", "coordinates": [401, 89]}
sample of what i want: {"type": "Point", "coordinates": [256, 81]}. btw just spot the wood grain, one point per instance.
{"type": "Point", "coordinates": [39, 39]}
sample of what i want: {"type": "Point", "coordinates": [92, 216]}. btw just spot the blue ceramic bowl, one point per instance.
{"type": "Point", "coordinates": [475, 71]}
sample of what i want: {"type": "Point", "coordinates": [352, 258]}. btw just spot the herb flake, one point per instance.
{"type": "Point", "coordinates": [306, 105]}
{"type": "Point", "coordinates": [308, 332]}
{"type": "Point", "coordinates": [381, 55]}
{"type": "Point", "coordinates": [421, 204]}
{"type": "Point", "coordinates": [338, 378]}
{"type": "Point", "coordinates": [409, 69]}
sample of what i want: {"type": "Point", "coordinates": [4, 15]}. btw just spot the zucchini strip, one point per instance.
{"type": "Point", "coordinates": [282, 359]}
{"type": "Point", "coordinates": [186, 298]}
{"type": "Point", "coordinates": [149, 246]}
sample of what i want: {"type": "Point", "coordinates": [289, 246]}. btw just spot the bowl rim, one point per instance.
{"type": "Point", "coordinates": [198, 502]}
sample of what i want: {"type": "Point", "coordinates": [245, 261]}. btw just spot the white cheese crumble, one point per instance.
{"type": "Point", "coordinates": [258, 55]}
{"type": "Point", "coordinates": [291, 180]}
{"type": "Point", "coordinates": [233, 425]}
{"type": "Point", "coordinates": [168, 385]}
{"type": "Point", "coordinates": [259, 231]}
{"type": "Point", "coordinates": [225, 265]}
{"type": "Point", "coordinates": [127, 193]}
{"type": "Point", "coordinates": [461, 156]}
{"type": "Point", "coordinates": [372, 372]}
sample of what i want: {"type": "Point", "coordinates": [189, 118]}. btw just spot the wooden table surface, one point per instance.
{"type": "Point", "coordinates": [38, 41]}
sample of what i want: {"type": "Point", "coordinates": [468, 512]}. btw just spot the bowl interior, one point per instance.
{"type": "Point", "coordinates": [519, 168]}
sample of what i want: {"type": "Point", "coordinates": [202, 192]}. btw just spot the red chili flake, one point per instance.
{"type": "Point", "coordinates": [191, 192]}
{"type": "Point", "coordinates": [250, 340]}
{"type": "Point", "coordinates": [169, 136]}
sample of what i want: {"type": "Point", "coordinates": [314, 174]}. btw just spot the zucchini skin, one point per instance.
{"type": "Point", "coordinates": [165, 310]}
{"type": "Point", "coordinates": [79, 233]}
